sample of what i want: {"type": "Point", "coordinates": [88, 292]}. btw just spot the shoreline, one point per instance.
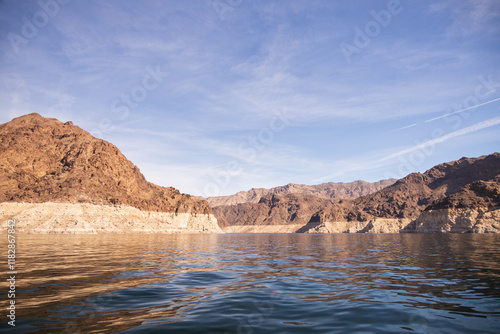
{"type": "Point", "coordinates": [86, 218]}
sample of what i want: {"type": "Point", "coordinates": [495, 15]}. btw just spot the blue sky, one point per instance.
{"type": "Point", "coordinates": [218, 96]}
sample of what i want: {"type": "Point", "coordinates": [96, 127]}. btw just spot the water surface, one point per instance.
{"type": "Point", "coordinates": [257, 283]}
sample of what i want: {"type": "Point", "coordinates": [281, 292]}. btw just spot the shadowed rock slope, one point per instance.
{"type": "Point", "coordinates": [473, 209]}
{"type": "Point", "coordinates": [272, 210]}
{"type": "Point", "coordinates": [43, 160]}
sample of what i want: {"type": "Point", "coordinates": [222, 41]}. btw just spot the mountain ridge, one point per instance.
{"type": "Point", "coordinates": [397, 205]}
{"type": "Point", "coordinates": [328, 190]}
{"type": "Point", "coordinates": [83, 184]}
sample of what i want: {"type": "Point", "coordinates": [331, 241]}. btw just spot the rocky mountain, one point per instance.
{"type": "Point", "coordinates": [478, 194]}
{"type": "Point", "coordinates": [328, 190]}
{"type": "Point", "coordinates": [43, 160]}
{"type": "Point", "coordinates": [391, 209]}
{"type": "Point", "coordinates": [409, 196]}
{"type": "Point", "coordinates": [475, 208]}
{"type": "Point", "coordinates": [272, 210]}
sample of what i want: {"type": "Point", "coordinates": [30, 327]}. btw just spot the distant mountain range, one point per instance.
{"type": "Point", "coordinates": [328, 190]}
{"type": "Point", "coordinates": [57, 178]}
{"type": "Point", "coordinates": [459, 196]}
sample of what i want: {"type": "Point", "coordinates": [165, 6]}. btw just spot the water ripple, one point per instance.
{"type": "Point", "coordinates": [268, 283]}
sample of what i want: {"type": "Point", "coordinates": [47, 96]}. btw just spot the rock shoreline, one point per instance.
{"type": "Point", "coordinates": [458, 220]}
{"type": "Point", "coordinates": [85, 218]}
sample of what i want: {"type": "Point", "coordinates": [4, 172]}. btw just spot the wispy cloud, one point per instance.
{"type": "Point", "coordinates": [227, 78]}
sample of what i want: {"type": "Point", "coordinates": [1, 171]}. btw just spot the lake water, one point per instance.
{"type": "Point", "coordinates": [256, 283]}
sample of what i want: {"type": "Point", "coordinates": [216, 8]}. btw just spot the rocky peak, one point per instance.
{"type": "Point", "coordinates": [450, 177]}
{"type": "Point", "coordinates": [42, 159]}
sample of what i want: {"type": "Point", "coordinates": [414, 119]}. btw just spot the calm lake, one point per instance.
{"type": "Point", "coordinates": [256, 283]}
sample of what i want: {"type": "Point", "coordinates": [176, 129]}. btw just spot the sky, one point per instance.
{"type": "Point", "coordinates": [219, 96]}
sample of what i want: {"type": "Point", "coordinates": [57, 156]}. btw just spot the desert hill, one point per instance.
{"type": "Point", "coordinates": [409, 196]}
{"type": "Point", "coordinates": [391, 209]}
{"type": "Point", "coordinates": [43, 160]}
{"type": "Point", "coordinates": [475, 208]}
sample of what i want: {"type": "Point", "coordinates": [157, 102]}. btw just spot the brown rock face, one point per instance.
{"type": "Point", "coordinates": [475, 208]}
{"type": "Point", "coordinates": [476, 195]}
{"type": "Point", "coordinates": [272, 210]}
{"type": "Point", "coordinates": [411, 195]}
{"type": "Point", "coordinates": [328, 190]}
{"type": "Point", "coordinates": [44, 160]}
{"type": "Point", "coordinates": [468, 183]}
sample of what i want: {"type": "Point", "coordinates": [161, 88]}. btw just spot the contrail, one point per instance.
{"type": "Point", "coordinates": [473, 128]}
{"type": "Point", "coordinates": [405, 127]}
{"type": "Point", "coordinates": [478, 105]}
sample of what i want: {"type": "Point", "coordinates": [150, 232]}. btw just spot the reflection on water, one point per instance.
{"type": "Point", "coordinates": [257, 283]}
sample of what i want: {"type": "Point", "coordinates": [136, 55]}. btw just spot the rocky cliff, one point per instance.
{"type": "Point", "coordinates": [328, 190]}
{"type": "Point", "coordinates": [291, 210]}
{"type": "Point", "coordinates": [411, 195]}
{"type": "Point", "coordinates": [45, 161]}
{"type": "Point", "coordinates": [475, 208]}
{"type": "Point", "coordinates": [393, 209]}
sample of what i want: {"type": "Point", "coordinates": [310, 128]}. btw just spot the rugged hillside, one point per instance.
{"type": "Point", "coordinates": [388, 210]}
{"type": "Point", "coordinates": [43, 160]}
{"type": "Point", "coordinates": [408, 197]}
{"type": "Point", "coordinates": [272, 210]}
{"type": "Point", "coordinates": [329, 190]}
{"type": "Point", "coordinates": [474, 208]}
{"type": "Point", "coordinates": [475, 195]}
